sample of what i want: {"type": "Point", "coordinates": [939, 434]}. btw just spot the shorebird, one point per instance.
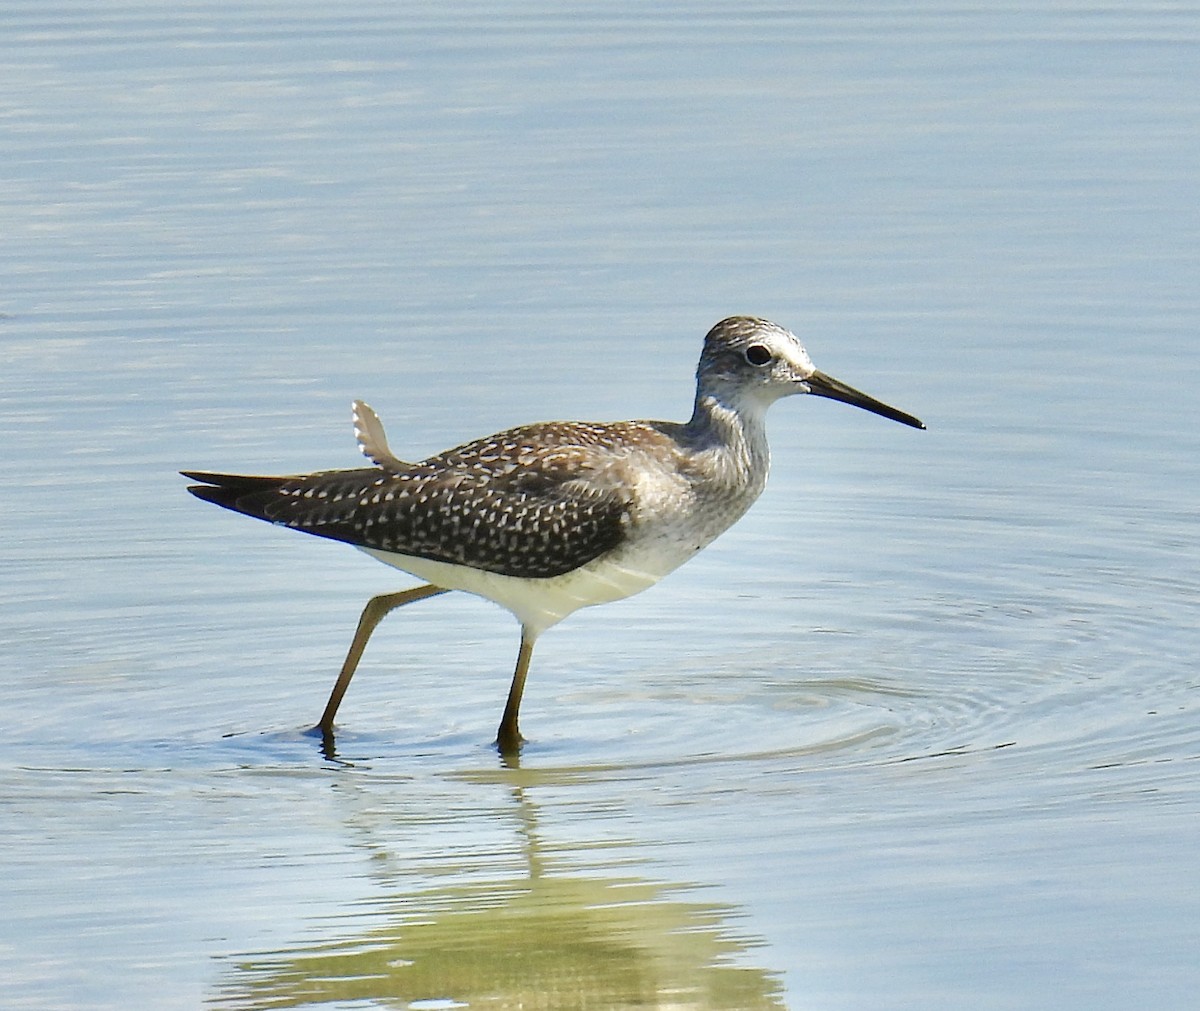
{"type": "Point", "coordinates": [547, 518]}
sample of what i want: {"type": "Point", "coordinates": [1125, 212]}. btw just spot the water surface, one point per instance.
{"type": "Point", "coordinates": [921, 731]}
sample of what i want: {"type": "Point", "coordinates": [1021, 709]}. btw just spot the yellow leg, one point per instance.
{"type": "Point", "coordinates": [372, 615]}
{"type": "Point", "coordinates": [509, 738]}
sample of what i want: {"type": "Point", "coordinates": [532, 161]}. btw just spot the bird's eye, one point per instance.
{"type": "Point", "coordinates": [756, 354]}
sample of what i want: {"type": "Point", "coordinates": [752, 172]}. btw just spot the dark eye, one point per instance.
{"type": "Point", "coordinates": [756, 354]}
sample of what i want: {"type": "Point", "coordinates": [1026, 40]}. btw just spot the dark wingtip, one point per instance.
{"type": "Point", "coordinates": [198, 475]}
{"type": "Point", "coordinates": [227, 489]}
{"type": "Point", "coordinates": [208, 492]}
{"type": "Point", "coordinates": [233, 480]}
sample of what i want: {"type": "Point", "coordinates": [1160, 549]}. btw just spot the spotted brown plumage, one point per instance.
{"type": "Point", "coordinates": [533, 502]}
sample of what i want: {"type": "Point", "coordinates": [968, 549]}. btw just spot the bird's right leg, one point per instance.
{"type": "Point", "coordinates": [372, 615]}
{"type": "Point", "coordinates": [508, 738]}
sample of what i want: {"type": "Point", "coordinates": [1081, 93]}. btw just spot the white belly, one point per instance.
{"type": "Point", "coordinates": [541, 603]}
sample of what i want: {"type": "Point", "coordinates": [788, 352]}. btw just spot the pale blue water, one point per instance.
{"type": "Point", "coordinates": [921, 731]}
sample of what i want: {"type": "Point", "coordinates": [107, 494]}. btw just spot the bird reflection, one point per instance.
{"type": "Point", "coordinates": [537, 933]}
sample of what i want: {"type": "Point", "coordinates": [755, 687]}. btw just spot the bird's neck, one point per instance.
{"type": "Point", "coordinates": [733, 438]}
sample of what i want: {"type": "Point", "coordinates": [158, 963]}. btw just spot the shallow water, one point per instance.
{"type": "Point", "coordinates": [920, 731]}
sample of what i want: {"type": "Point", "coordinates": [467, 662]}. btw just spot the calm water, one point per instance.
{"type": "Point", "coordinates": [922, 731]}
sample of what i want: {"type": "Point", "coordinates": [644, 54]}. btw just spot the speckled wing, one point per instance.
{"type": "Point", "coordinates": [515, 504]}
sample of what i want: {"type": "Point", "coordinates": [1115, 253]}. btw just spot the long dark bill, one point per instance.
{"type": "Point", "coordinates": [826, 386]}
